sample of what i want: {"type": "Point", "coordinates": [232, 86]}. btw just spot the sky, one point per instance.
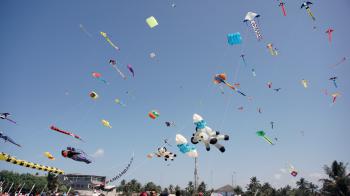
{"type": "Point", "coordinates": [47, 60]}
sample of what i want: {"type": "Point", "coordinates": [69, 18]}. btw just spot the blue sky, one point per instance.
{"type": "Point", "coordinates": [46, 66]}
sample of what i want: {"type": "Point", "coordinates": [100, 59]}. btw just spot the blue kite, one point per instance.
{"type": "Point", "coordinates": [234, 38]}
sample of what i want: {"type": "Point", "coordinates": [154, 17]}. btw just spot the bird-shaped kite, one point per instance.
{"type": "Point", "coordinates": [8, 139]}
{"type": "Point", "coordinates": [263, 135]}
{"type": "Point", "coordinates": [221, 78]}
{"type": "Point", "coordinates": [76, 155]}
{"type": "Point", "coordinates": [334, 81]}
{"type": "Point", "coordinates": [329, 32]}
{"type": "Point", "coordinates": [306, 5]}
{"type": "Point", "coordinates": [5, 116]}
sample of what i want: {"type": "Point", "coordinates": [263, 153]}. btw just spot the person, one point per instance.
{"type": "Point", "coordinates": [178, 193]}
{"type": "Point", "coordinates": [143, 194]}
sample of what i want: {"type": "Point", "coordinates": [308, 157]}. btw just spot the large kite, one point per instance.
{"type": "Point", "coordinates": [122, 172]}
{"type": "Point", "coordinates": [251, 16]}
{"type": "Point", "coordinates": [76, 155]}
{"type": "Point", "coordinates": [185, 147]}
{"type": "Point", "coordinates": [221, 78]}
{"type": "Point", "coordinates": [163, 152]}
{"type": "Point", "coordinates": [13, 160]}
{"type": "Point", "coordinates": [65, 132]}
{"type": "Point", "coordinates": [109, 40]}
{"type": "Point", "coordinates": [5, 116]}
{"type": "Point", "coordinates": [306, 5]}
{"type": "Point", "coordinates": [8, 139]}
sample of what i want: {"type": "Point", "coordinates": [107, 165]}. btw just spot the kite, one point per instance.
{"type": "Point", "coordinates": [253, 72]}
{"type": "Point", "coordinates": [335, 95]}
{"type": "Point", "coordinates": [185, 147]}
{"type": "Point", "coordinates": [262, 134]}
{"type": "Point", "coordinates": [122, 172]}
{"type": "Point", "coordinates": [109, 41]}
{"type": "Point", "coordinates": [240, 108]}
{"type": "Point", "coordinates": [273, 51]}
{"type": "Point", "coordinates": [221, 78]}
{"type": "Point", "coordinates": [251, 16]}
{"type": "Point", "coordinates": [131, 70]}
{"type": "Point", "coordinates": [206, 135]}
{"type": "Point", "coordinates": [259, 110]}
{"type": "Point", "coordinates": [75, 154]}
{"type": "Point", "coordinates": [153, 114]}
{"type": "Point", "coordinates": [97, 76]}
{"type": "Point", "coordinates": [5, 116]}
{"type": "Point", "coordinates": [307, 7]}
{"type": "Point", "coordinates": [13, 160]}
{"type": "Point", "coordinates": [152, 55]}
{"type": "Point", "coordinates": [49, 155]}
{"type": "Point", "coordinates": [283, 8]}
{"type": "Point", "coordinates": [234, 38]}
{"type": "Point", "coordinates": [65, 132]}
{"type": "Point", "coordinates": [170, 124]}
{"type": "Point", "coordinates": [277, 89]}
{"type": "Point", "coordinates": [151, 21]}
{"type": "Point", "coordinates": [114, 65]}
{"type": "Point", "coordinates": [84, 30]}
{"type": "Point", "coordinates": [93, 95]}
{"type": "Point", "coordinates": [292, 171]}
{"type": "Point", "coordinates": [269, 84]}
{"type": "Point", "coordinates": [245, 63]}
{"type": "Point", "coordinates": [163, 152]}
{"type": "Point", "coordinates": [329, 32]}
{"type": "Point", "coordinates": [106, 123]}
{"type": "Point", "coordinates": [340, 62]}
{"type": "Point", "coordinates": [334, 81]}
{"type": "Point", "coordinates": [304, 83]}
{"type": "Point", "coordinates": [119, 102]}
{"type": "Point", "coordinates": [8, 139]}
{"type": "Point", "coordinates": [272, 123]}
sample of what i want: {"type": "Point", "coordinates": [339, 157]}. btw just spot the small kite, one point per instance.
{"type": "Point", "coordinates": [277, 89]}
{"type": "Point", "coordinates": [120, 174]}
{"type": "Point", "coordinates": [234, 38]}
{"type": "Point", "coordinates": [119, 102]}
{"type": "Point", "coordinates": [8, 139]}
{"type": "Point", "coordinates": [97, 76]}
{"type": "Point", "coordinates": [185, 147]}
{"type": "Point", "coordinates": [340, 62]}
{"type": "Point", "coordinates": [152, 55]}
{"type": "Point", "coordinates": [114, 65]}
{"type": "Point", "coordinates": [151, 21]}
{"type": "Point", "coordinates": [263, 135]}
{"type": "Point", "coordinates": [273, 51]}
{"type": "Point", "coordinates": [292, 171]}
{"type": "Point", "coordinates": [259, 110]}
{"type": "Point", "coordinates": [5, 116]}
{"type": "Point", "coordinates": [269, 84]}
{"type": "Point", "coordinates": [240, 108]}
{"type": "Point", "coordinates": [251, 16]}
{"type": "Point", "coordinates": [283, 8]}
{"type": "Point", "coordinates": [329, 32]}
{"type": "Point", "coordinates": [253, 72]}
{"type": "Point", "coordinates": [221, 78]}
{"type": "Point", "coordinates": [334, 81]}
{"type": "Point", "coordinates": [170, 123]}
{"type": "Point", "coordinates": [335, 95]}
{"type": "Point", "coordinates": [109, 41]}
{"type": "Point", "coordinates": [49, 156]}
{"type": "Point", "coordinates": [84, 30]}
{"type": "Point", "coordinates": [131, 69]}
{"type": "Point", "coordinates": [163, 152]}
{"type": "Point", "coordinates": [272, 124]}
{"type": "Point", "coordinates": [304, 83]}
{"type": "Point", "coordinates": [10, 159]}
{"type": "Point", "coordinates": [93, 95]}
{"type": "Point", "coordinates": [106, 123]}
{"type": "Point", "coordinates": [153, 114]}
{"type": "Point", "coordinates": [65, 132]}
{"type": "Point", "coordinates": [75, 154]}
{"type": "Point", "coordinates": [242, 56]}
{"type": "Point", "coordinates": [306, 5]}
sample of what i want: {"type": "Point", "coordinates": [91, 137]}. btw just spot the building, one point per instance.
{"type": "Point", "coordinates": [81, 181]}
{"type": "Point", "coordinates": [225, 191]}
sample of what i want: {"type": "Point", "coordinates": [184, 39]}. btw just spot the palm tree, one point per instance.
{"type": "Point", "coordinates": [303, 186]}
{"type": "Point", "coordinates": [267, 189]}
{"type": "Point", "coordinates": [338, 182]}
{"type": "Point", "coordinates": [253, 186]}
{"type": "Point", "coordinates": [238, 190]}
{"type": "Point", "coordinates": [313, 188]}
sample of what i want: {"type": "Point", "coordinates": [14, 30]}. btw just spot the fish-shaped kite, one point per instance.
{"type": "Point", "coordinates": [65, 132]}
{"type": "Point", "coordinates": [131, 69]}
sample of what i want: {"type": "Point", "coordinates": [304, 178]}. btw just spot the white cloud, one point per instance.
{"type": "Point", "coordinates": [277, 176]}
{"type": "Point", "coordinates": [283, 170]}
{"type": "Point", "coordinates": [317, 175]}
{"type": "Point", "coordinates": [99, 153]}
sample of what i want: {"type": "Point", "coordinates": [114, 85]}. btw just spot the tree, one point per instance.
{"type": "Point", "coordinates": [267, 189]}
{"type": "Point", "coordinates": [303, 186]}
{"type": "Point", "coordinates": [338, 182]}
{"type": "Point", "coordinates": [313, 188]}
{"type": "Point", "coordinates": [253, 186]}
{"type": "Point", "coordinates": [150, 186]}
{"type": "Point", "coordinates": [238, 190]}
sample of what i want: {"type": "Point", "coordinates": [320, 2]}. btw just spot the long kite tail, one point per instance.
{"type": "Point", "coordinates": [310, 14]}
{"type": "Point", "coordinates": [11, 120]}
{"type": "Point", "coordinates": [268, 140]}
{"type": "Point", "coordinates": [120, 72]}
{"type": "Point", "coordinates": [284, 11]}
{"type": "Point", "coordinates": [112, 44]}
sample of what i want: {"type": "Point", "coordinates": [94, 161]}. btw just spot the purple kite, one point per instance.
{"type": "Point", "coordinates": [131, 70]}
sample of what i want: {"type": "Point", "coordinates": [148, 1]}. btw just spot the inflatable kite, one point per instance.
{"type": "Point", "coordinates": [334, 81]}
{"type": "Point", "coordinates": [65, 132]}
{"type": "Point", "coordinates": [221, 78]}
{"type": "Point", "coordinates": [93, 95]}
{"type": "Point", "coordinates": [273, 51]}
{"type": "Point", "coordinates": [306, 5]}
{"type": "Point", "coordinates": [152, 21]}
{"type": "Point", "coordinates": [131, 69]}
{"type": "Point", "coordinates": [206, 135]}
{"type": "Point", "coordinates": [106, 123]}
{"type": "Point", "coordinates": [185, 147]}
{"type": "Point", "coordinates": [114, 65]}
{"type": "Point", "coordinates": [97, 76]}
{"type": "Point", "coordinates": [304, 83]}
{"type": "Point", "coordinates": [234, 38]}
{"type": "Point", "coordinates": [8, 139]}
{"type": "Point", "coordinates": [5, 116]}
{"type": "Point", "coordinates": [13, 160]}
{"type": "Point", "coordinates": [329, 32]}
{"type": "Point", "coordinates": [49, 156]}
{"type": "Point", "coordinates": [251, 16]}
{"type": "Point", "coordinates": [153, 114]}
{"type": "Point", "coordinates": [122, 172]}
{"type": "Point", "coordinates": [263, 135]}
{"type": "Point", "coordinates": [75, 154]}
{"type": "Point", "coordinates": [109, 41]}
{"type": "Point", "coordinates": [283, 8]}
{"type": "Point", "coordinates": [163, 152]}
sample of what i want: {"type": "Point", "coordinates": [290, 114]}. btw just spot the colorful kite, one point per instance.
{"type": "Point", "coordinates": [122, 172]}
{"type": "Point", "coordinates": [97, 76]}
{"type": "Point", "coordinates": [114, 65]}
{"type": "Point", "coordinates": [234, 38]}
{"type": "Point", "coordinates": [151, 21]}
{"type": "Point", "coordinates": [13, 160]}
{"type": "Point", "coordinates": [263, 135]}
{"type": "Point", "coordinates": [304, 83]}
{"type": "Point", "coordinates": [5, 116]}
{"type": "Point", "coordinates": [329, 32]}
{"type": "Point", "coordinates": [185, 147]}
{"type": "Point", "coordinates": [153, 114]}
{"type": "Point", "coordinates": [335, 95]}
{"type": "Point", "coordinates": [251, 16]}
{"type": "Point", "coordinates": [283, 8]}
{"type": "Point", "coordinates": [65, 132]}
{"type": "Point", "coordinates": [273, 51]}
{"type": "Point", "coordinates": [221, 78]}
{"type": "Point", "coordinates": [109, 41]}
{"type": "Point", "coordinates": [49, 156]}
{"type": "Point", "coordinates": [93, 95]}
{"type": "Point", "coordinates": [106, 123]}
{"type": "Point", "coordinates": [334, 81]}
{"type": "Point", "coordinates": [131, 69]}
{"type": "Point", "coordinates": [75, 154]}
{"type": "Point", "coordinates": [163, 152]}
{"type": "Point", "coordinates": [306, 5]}
{"type": "Point", "coordinates": [8, 139]}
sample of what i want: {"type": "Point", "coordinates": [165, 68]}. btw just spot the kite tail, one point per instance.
{"type": "Point", "coordinates": [284, 11]}
{"type": "Point", "coordinates": [335, 84]}
{"type": "Point", "coordinates": [11, 120]}
{"type": "Point", "coordinates": [112, 44]}
{"type": "Point", "coordinates": [330, 37]}
{"type": "Point", "coordinates": [256, 30]}
{"type": "Point", "coordinates": [120, 72]}
{"type": "Point", "coordinates": [268, 140]}
{"type": "Point", "coordinates": [310, 14]}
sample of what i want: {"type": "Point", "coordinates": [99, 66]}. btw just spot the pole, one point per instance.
{"type": "Point", "coordinates": [43, 189]}
{"type": "Point", "coordinates": [20, 190]}
{"type": "Point", "coordinates": [31, 190]}
{"type": "Point", "coordinates": [10, 188]}
{"type": "Point", "coordinates": [195, 174]}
